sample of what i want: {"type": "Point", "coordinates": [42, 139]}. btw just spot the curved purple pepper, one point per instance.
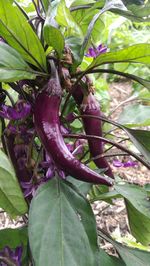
{"type": "Point", "coordinates": [47, 124]}
{"type": "Point", "coordinates": [89, 106]}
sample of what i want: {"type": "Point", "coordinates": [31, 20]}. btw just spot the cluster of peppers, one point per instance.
{"type": "Point", "coordinates": [47, 124]}
{"type": "Point", "coordinates": [37, 114]}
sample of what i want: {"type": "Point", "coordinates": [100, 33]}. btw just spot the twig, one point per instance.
{"type": "Point", "coordinates": [9, 96]}
{"type": "Point", "coordinates": [82, 136]}
{"type": "Point", "coordinates": [106, 155]}
{"type": "Point", "coordinates": [37, 11]}
{"type": "Point", "coordinates": [131, 99]}
{"type": "Point", "coordinates": [101, 118]}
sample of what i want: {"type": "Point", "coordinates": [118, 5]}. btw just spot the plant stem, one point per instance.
{"type": "Point", "coordinates": [101, 118]}
{"type": "Point", "coordinates": [75, 8]}
{"type": "Point", "coordinates": [9, 96]}
{"type": "Point", "coordinates": [82, 136]}
{"type": "Point", "coordinates": [106, 155]}
{"type": "Point", "coordinates": [37, 10]}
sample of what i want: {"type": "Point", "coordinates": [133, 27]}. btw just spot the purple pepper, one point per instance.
{"type": "Point", "coordinates": [47, 124]}
{"type": "Point", "coordinates": [89, 106]}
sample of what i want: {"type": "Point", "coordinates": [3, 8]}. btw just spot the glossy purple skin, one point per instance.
{"type": "Point", "coordinates": [47, 124]}
{"type": "Point", "coordinates": [92, 127]}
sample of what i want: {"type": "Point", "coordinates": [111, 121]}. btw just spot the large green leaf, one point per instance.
{"type": "Point", "coordinates": [138, 209]}
{"type": "Point", "coordinates": [65, 19]}
{"type": "Point", "coordinates": [52, 34]}
{"type": "Point", "coordinates": [11, 197]}
{"type": "Point", "coordinates": [135, 115]}
{"type": "Point", "coordinates": [140, 138]}
{"type": "Point", "coordinates": [140, 10]}
{"type": "Point", "coordinates": [62, 228]}
{"type": "Point", "coordinates": [109, 4]}
{"type": "Point", "coordinates": [83, 18]}
{"type": "Point", "coordinates": [130, 256]}
{"type": "Point", "coordinates": [12, 66]}
{"type": "Point", "coordinates": [15, 29]}
{"type": "Point", "coordinates": [139, 53]}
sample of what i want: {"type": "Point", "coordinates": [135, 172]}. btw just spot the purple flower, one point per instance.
{"type": "Point", "coordinates": [20, 111]}
{"type": "Point", "coordinates": [29, 188]}
{"type": "Point", "coordinates": [118, 163]}
{"type": "Point", "coordinates": [13, 255]}
{"type": "Point", "coordinates": [94, 52]}
{"type": "Point", "coordinates": [48, 164]}
{"type": "Point", "coordinates": [76, 148]}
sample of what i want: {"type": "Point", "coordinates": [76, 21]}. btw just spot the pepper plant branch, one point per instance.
{"type": "Point", "coordinates": [119, 146]}
{"type": "Point", "coordinates": [9, 96]}
{"type": "Point", "coordinates": [37, 10]}
{"type": "Point", "coordinates": [101, 118]}
{"type": "Point", "coordinates": [122, 140]}
{"type": "Point", "coordinates": [131, 99]}
{"type": "Point", "coordinates": [106, 155]}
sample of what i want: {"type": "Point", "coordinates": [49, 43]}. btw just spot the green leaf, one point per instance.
{"type": "Point", "coordinates": [14, 238]}
{"type": "Point", "coordinates": [83, 187]}
{"type": "Point", "coordinates": [138, 209]}
{"type": "Point", "coordinates": [83, 17]}
{"type": "Point", "coordinates": [140, 11]}
{"type": "Point", "coordinates": [109, 4]}
{"type": "Point", "coordinates": [144, 82]}
{"type": "Point", "coordinates": [135, 115]}
{"type": "Point", "coordinates": [62, 228]}
{"type": "Point", "coordinates": [74, 44]}
{"type": "Point", "coordinates": [139, 53]}
{"type": "Point", "coordinates": [106, 260]}
{"type": "Point", "coordinates": [102, 193]}
{"type": "Point", "coordinates": [54, 38]}
{"type": "Point", "coordinates": [12, 66]}
{"type": "Point", "coordinates": [15, 29]}
{"type": "Point", "coordinates": [65, 19]}
{"type": "Point", "coordinates": [11, 197]}
{"type": "Point", "coordinates": [46, 4]}
{"type": "Point", "coordinates": [139, 224]}
{"type": "Point", "coordinates": [114, 4]}
{"type": "Point", "coordinates": [147, 188]}
{"type": "Point", "coordinates": [130, 256]}
{"type": "Point", "coordinates": [136, 195]}
{"type": "Point", "coordinates": [53, 35]}
{"type": "Point", "coordinates": [140, 138]}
